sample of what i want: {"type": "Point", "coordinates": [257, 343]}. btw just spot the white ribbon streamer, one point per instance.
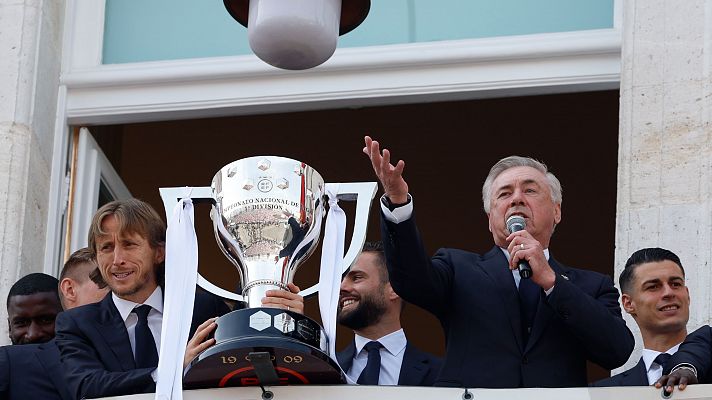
{"type": "Point", "coordinates": [181, 277]}
{"type": "Point", "coordinates": [332, 258]}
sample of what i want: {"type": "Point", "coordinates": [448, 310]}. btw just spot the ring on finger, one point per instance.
{"type": "Point", "coordinates": [521, 246]}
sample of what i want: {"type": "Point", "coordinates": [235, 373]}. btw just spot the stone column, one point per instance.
{"type": "Point", "coordinates": [664, 160]}
{"type": "Point", "coordinates": [30, 55]}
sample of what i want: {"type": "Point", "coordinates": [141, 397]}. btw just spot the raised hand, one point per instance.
{"type": "Point", "coordinates": [391, 177]}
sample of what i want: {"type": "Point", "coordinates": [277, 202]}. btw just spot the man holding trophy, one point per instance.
{"type": "Point", "coordinates": [380, 353]}
{"type": "Point", "coordinates": [513, 317]}
{"type": "Point", "coordinates": [267, 214]}
{"type": "Point", "coordinates": [110, 348]}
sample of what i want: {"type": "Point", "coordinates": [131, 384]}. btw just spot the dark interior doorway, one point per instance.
{"type": "Point", "coordinates": [449, 148]}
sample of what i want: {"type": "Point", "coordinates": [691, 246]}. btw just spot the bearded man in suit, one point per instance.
{"type": "Point", "coordinates": [380, 353]}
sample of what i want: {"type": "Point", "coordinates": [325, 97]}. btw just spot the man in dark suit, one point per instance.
{"type": "Point", "coordinates": [34, 371]}
{"type": "Point", "coordinates": [110, 348]}
{"type": "Point", "coordinates": [32, 306]}
{"type": "Point", "coordinates": [655, 295]}
{"type": "Point", "coordinates": [380, 353]}
{"type": "Point", "coordinates": [504, 331]}
{"type": "Point", "coordinates": [80, 281]}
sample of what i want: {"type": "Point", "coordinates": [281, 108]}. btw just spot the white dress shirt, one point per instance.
{"type": "Point", "coordinates": [155, 316]}
{"type": "Point", "coordinates": [399, 214]}
{"type": "Point", "coordinates": [654, 370]}
{"type": "Point", "coordinates": [392, 354]}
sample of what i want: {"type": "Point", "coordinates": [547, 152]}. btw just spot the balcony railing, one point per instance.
{"type": "Point", "coordinates": [345, 392]}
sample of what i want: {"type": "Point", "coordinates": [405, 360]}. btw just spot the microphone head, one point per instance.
{"type": "Point", "coordinates": [516, 223]}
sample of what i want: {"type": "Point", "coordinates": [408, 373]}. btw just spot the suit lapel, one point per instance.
{"type": "Point", "coordinates": [495, 265]}
{"type": "Point", "coordinates": [544, 313]}
{"type": "Point", "coordinates": [413, 369]}
{"type": "Point", "coordinates": [346, 357]}
{"type": "Point", "coordinates": [113, 330]}
{"type": "Point", "coordinates": [636, 376]}
{"type": "Point", "coordinates": [48, 356]}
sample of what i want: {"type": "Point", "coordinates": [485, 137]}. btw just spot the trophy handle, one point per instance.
{"type": "Point", "coordinates": [202, 194]}
{"type": "Point", "coordinates": [363, 193]}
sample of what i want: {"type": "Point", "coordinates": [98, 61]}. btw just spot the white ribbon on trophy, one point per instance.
{"type": "Point", "coordinates": [180, 279]}
{"type": "Point", "coordinates": [332, 254]}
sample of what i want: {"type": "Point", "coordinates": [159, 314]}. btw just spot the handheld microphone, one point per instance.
{"type": "Point", "coordinates": [516, 223]}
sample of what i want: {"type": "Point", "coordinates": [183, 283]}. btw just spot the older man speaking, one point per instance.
{"type": "Point", "coordinates": [504, 330]}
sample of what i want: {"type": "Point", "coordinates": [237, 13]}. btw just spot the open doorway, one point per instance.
{"type": "Point", "coordinates": [448, 147]}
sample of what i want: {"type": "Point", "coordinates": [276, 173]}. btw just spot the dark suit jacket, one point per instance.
{"type": "Point", "coordinates": [477, 302]}
{"type": "Point", "coordinates": [695, 350]}
{"type": "Point", "coordinates": [418, 368]}
{"type": "Point", "coordinates": [96, 351]}
{"type": "Point", "coordinates": [636, 376]}
{"type": "Point", "coordinates": [32, 371]}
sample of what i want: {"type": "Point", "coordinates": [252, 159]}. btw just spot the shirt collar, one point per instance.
{"type": "Point", "coordinates": [394, 342]}
{"type": "Point", "coordinates": [506, 253]}
{"type": "Point", "coordinates": [155, 300]}
{"type": "Point", "coordinates": [649, 355]}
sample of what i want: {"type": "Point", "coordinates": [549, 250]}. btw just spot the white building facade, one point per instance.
{"type": "Point", "coordinates": [55, 81]}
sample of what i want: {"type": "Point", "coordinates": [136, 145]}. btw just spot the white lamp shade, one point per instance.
{"type": "Point", "coordinates": [294, 34]}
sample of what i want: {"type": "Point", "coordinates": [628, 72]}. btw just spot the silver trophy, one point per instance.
{"type": "Point", "coordinates": [267, 216]}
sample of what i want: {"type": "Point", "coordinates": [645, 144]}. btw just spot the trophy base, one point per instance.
{"type": "Point", "coordinates": [296, 345]}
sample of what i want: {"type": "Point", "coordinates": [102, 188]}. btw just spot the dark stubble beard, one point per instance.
{"type": "Point", "coordinates": [367, 313]}
{"type": "Point", "coordinates": [139, 285]}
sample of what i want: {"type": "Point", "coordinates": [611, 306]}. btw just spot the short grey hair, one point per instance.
{"type": "Point", "coordinates": [518, 161]}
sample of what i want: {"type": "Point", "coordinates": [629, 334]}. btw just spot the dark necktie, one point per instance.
{"type": "Point", "coordinates": [146, 355]}
{"type": "Point", "coordinates": [369, 375]}
{"type": "Point", "coordinates": [662, 359]}
{"type": "Point", "coordinates": [529, 293]}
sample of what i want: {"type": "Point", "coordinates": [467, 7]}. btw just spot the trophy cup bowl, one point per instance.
{"type": "Point", "coordinates": [267, 216]}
